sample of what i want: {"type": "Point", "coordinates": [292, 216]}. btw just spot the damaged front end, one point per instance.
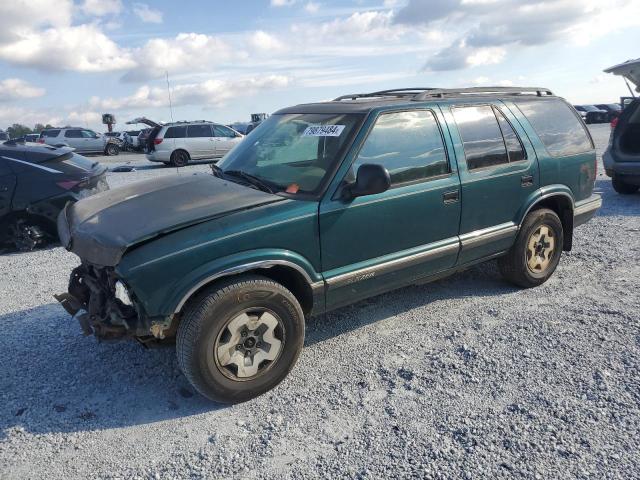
{"type": "Point", "coordinates": [102, 305]}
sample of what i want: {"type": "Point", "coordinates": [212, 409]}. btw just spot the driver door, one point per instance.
{"type": "Point", "coordinates": [378, 242]}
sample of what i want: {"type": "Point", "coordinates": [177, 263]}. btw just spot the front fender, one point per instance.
{"type": "Point", "coordinates": [166, 305]}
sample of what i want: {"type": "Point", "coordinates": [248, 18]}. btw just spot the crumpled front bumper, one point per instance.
{"type": "Point", "coordinates": [91, 300]}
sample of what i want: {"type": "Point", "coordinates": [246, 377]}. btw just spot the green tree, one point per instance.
{"type": "Point", "coordinates": [17, 130]}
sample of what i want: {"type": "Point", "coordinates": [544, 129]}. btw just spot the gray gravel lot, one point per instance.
{"type": "Point", "coordinates": [467, 377]}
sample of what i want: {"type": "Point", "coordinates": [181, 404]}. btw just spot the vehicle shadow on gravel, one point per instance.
{"type": "Point", "coordinates": [55, 380]}
{"type": "Point", "coordinates": [483, 280]}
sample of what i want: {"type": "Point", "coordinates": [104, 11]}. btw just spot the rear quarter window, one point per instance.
{"type": "Point", "coordinates": [176, 132]}
{"type": "Point", "coordinates": [51, 133]}
{"type": "Point", "coordinates": [557, 126]}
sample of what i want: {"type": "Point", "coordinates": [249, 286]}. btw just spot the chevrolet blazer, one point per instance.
{"type": "Point", "coordinates": [323, 205]}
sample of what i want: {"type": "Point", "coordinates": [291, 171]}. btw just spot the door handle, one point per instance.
{"type": "Point", "coordinates": [526, 180]}
{"type": "Point", "coordinates": [450, 197]}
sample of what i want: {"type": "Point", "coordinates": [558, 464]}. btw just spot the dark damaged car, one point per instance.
{"type": "Point", "coordinates": [36, 182]}
{"type": "Point", "coordinates": [321, 206]}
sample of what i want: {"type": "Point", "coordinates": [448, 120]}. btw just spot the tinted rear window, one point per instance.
{"type": "Point", "coordinates": [557, 126]}
{"type": "Point", "coordinates": [481, 136]}
{"type": "Point", "coordinates": [176, 132]}
{"type": "Point", "coordinates": [73, 134]}
{"type": "Point", "coordinates": [51, 133]}
{"type": "Point", "coordinates": [199, 131]}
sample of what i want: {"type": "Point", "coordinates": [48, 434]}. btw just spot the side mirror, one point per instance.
{"type": "Point", "coordinates": [370, 179]}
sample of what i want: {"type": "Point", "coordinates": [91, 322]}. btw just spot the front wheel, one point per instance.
{"type": "Point", "coordinates": [240, 338]}
{"type": "Point", "coordinates": [622, 187]}
{"type": "Point", "coordinates": [536, 252]}
{"type": "Point", "coordinates": [112, 149]}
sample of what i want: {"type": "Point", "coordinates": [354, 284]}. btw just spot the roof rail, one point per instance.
{"type": "Point", "coordinates": [395, 92]}
{"type": "Point", "coordinates": [423, 93]}
{"type": "Point", "coordinates": [444, 92]}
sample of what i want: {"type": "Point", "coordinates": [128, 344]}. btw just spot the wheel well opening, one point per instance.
{"type": "Point", "coordinates": [293, 281]}
{"type": "Point", "coordinates": [180, 150]}
{"type": "Point", "coordinates": [564, 209]}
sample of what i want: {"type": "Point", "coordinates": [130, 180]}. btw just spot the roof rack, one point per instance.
{"type": "Point", "coordinates": [418, 94]}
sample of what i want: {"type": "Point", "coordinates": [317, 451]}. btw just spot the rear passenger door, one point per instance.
{"type": "Point", "coordinates": [378, 242]}
{"type": "Point", "coordinates": [498, 172]}
{"type": "Point", "coordinates": [200, 143]}
{"type": "Point", "coordinates": [74, 139]}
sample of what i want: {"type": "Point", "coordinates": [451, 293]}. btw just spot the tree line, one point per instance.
{"type": "Point", "coordinates": [18, 130]}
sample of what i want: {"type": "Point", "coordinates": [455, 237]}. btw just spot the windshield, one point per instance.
{"type": "Point", "coordinates": [293, 152]}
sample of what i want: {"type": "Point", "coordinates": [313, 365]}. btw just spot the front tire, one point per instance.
{"type": "Point", "coordinates": [240, 338]}
{"type": "Point", "coordinates": [622, 187]}
{"type": "Point", "coordinates": [112, 150]}
{"type": "Point", "coordinates": [536, 252]}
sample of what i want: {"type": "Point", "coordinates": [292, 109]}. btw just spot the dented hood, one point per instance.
{"type": "Point", "coordinates": [99, 229]}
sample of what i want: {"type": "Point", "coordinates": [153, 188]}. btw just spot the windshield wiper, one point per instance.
{"type": "Point", "coordinates": [250, 179]}
{"type": "Point", "coordinates": [217, 171]}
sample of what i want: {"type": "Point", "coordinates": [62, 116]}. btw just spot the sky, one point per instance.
{"type": "Point", "coordinates": [67, 62]}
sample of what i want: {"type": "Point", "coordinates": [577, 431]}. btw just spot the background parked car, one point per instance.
{"type": "Point", "coordinates": [178, 143]}
{"type": "Point", "coordinates": [29, 137]}
{"type": "Point", "coordinates": [3, 136]}
{"type": "Point", "coordinates": [82, 140]}
{"type": "Point", "coordinates": [591, 114]}
{"type": "Point", "coordinates": [36, 182]}
{"type": "Point", "coordinates": [613, 110]}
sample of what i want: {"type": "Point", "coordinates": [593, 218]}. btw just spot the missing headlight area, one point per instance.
{"type": "Point", "coordinates": [101, 303]}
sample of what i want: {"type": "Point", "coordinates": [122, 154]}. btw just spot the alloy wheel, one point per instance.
{"type": "Point", "coordinates": [540, 249]}
{"type": "Point", "coordinates": [249, 344]}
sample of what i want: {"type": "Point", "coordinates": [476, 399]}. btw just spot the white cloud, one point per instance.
{"type": "Point", "coordinates": [265, 42]}
{"type": "Point", "coordinates": [15, 88]}
{"type": "Point", "coordinates": [282, 3]}
{"type": "Point", "coordinates": [17, 17]}
{"type": "Point", "coordinates": [100, 8]}
{"type": "Point", "coordinates": [312, 7]}
{"type": "Point", "coordinates": [146, 13]}
{"type": "Point", "coordinates": [82, 48]}
{"type": "Point", "coordinates": [486, 56]}
{"type": "Point", "coordinates": [213, 92]}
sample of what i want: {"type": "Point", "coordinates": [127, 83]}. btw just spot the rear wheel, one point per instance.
{"type": "Point", "coordinates": [622, 187]}
{"type": "Point", "coordinates": [112, 149]}
{"type": "Point", "coordinates": [179, 158]}
{"type": "Point", "coordinates": [240, 338]}
{"type": "Point", "coordinates": [536, 252]}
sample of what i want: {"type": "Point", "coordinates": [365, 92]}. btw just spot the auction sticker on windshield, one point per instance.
{"type": "Point", "coordinates": [323, 131]}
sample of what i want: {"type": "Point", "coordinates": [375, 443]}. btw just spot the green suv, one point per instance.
{"type": "Point", "coordinates": [323, 205]}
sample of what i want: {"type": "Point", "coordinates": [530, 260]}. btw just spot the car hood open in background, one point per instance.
{"type": "Point", "coordinates": [629, 70]}
{"type": "Point", "coordinates": [99, 229]}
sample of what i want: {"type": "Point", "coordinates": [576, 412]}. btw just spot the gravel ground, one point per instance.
{"type": "Point", "coordinates": [463, 378]}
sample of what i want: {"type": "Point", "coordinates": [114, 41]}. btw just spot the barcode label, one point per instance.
{"type": "Point", "coordinates": [323, 131]}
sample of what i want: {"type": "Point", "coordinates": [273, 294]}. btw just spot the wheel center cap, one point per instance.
{"type": "Point", "coordinates": [250, 342]}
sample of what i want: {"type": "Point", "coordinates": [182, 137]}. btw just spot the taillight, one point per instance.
{"type": "Point", "coordinates": [157, 141]}
{"type": "Point", "coordinates": [68, 184]}
{"type": "Point", "coordinates": [40, 140]}
{"type": "Point", "coordinates": [614, 122]}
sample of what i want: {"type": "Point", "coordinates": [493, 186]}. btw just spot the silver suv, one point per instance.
{"type": "Point", "coordinates": [82, 140]}
{"type": "Point", "coordinates": [177, 143]}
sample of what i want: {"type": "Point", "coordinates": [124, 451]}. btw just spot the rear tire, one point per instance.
{"type": "Point", "coordinates": [240, 338]}
{"type": "Point", "coordinates": [622, 187]}
{"type": "Point", "coordinates": [536, 252]}
{"type": "Point", "coordinates": [179, 158]}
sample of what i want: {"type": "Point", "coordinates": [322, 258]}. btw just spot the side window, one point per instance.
{"type": "Point", "coordinates": [408, 144]}
{"type": "Point", "coordinates": [557, 126]}
{"type": "Point", "coordinates": [221, 131]}
{"type": "Point", "coordinates": [176, 132]}
{"type": "Point", "coordinates": [481, 136]}
{"type": "Point", "coordinates": [89, 134]}
{"type": "Point", "coordinates": [515, 150]}
{"type": "Point", "coordinates": [51, 133]}
{"type": "Point", "coordinates": [72, 134]}
{"type": "Point", "coordinates": [194, 131]}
